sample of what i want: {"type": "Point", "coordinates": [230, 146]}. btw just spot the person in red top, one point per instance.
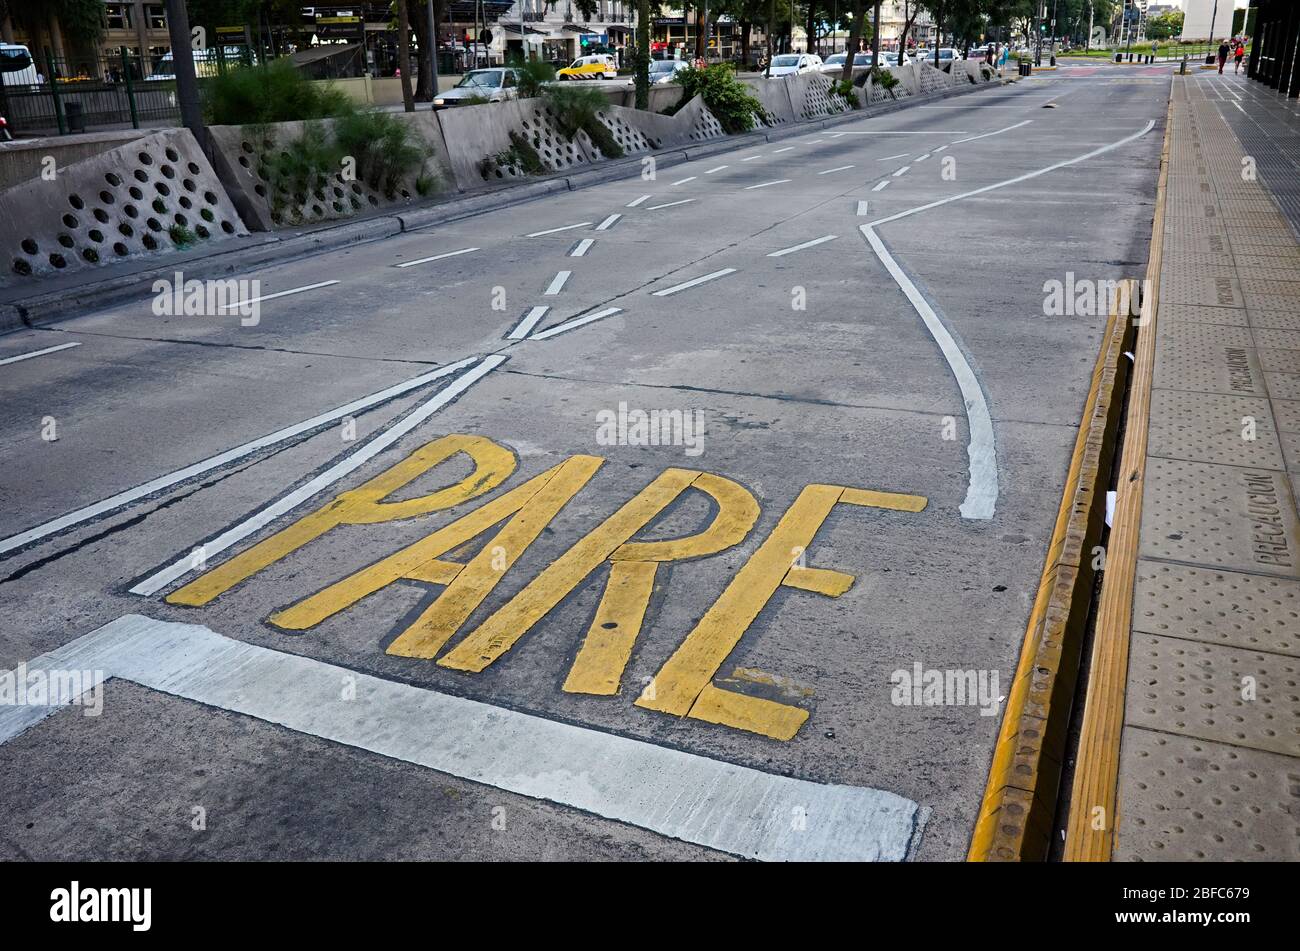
{"type": "Point", "coordinates": [1238, 53]}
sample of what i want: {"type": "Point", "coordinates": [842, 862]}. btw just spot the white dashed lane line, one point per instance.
{"type": "Point", "coordinates": [862, 206]}
{"type": "Point", "coordinates": [636, 201]}
{"type": "Point", "coordinates": [751, 158]}
{"type": "Point", "coordinates": [717, 168]}
{"type": "Point", "coordinates": [901, 171]}
{"type": "Point", "coordinates": [528, 321]}
{"type": "Point", "coordinates": [434, 257]}
{"type": "Point", "coordinates": [779, 181]}
{"type": "Point", "coordinates": [788, 148]}
{"type": "Point", "coordinates": [922, 158]}
{"type": "Point", "coordinates": [684, 201]}
{"type": "Point", "coordinates": [557, 283]}
{"type": "Point", "coordinates": [676, 288]}
{"type": "Point", "coordinates": [799, 247]}
{"type": "Point", "coordinates": [299, 290]}
{"type": "Point", "coordinates": [582, 247]}
{"type": "Point", "coordinates": [38, 353]}
{"type": "Point", "coordinates": [840, 168]}
{"type": "Point", "coordinates": [889, 157]}
{"type": "Point", "coordinates": [608, 223]}
{"type": "Point", "coordinates": [880, 185]}
{"type": "Point", "coordinates": [683, 181]}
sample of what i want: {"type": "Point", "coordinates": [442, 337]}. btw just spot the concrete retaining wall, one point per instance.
{"type": "Point", "coordinates": [23, 160]}
{"type": "Point", "coordinates": [113, 205]}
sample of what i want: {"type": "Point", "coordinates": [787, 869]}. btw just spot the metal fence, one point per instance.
{"type": "Point", "coordinates": [71, 95]}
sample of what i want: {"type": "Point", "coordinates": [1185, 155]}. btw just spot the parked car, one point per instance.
{"type": "Point", "coordinates": [788, 64]}
{"type": "Point", "coordinates": [596, 66]}
{"type": "Point", "coordinates": [891, 59]}
{"type": "Point", "coordinates": [835, 62]}
{"type": "Point", "coordinates": [666, 70]}
{"type": "Point", "coordinates": [16, 66]}
{"type": "Point", "coordinates": [947, 54]}
{"type": "Point", "coordinates": [494, 85]}
{"type": "Point", "coordinates": [206, 62]}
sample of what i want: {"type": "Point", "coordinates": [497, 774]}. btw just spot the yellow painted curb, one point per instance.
{"type": "Point", "coordinates": [1093, 816]}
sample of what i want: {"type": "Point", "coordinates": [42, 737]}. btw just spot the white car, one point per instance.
{"type": "Point", "coordinates": [789, 64]}
{"type": "Point", "coordinates": [493, 85]}
{"type": "Point", "coordinates": [835, 62]}
{"type": "Point", "coordinates": [16, 66]}
{"type": "Point", "coordinates": [947, 54]}
{"type": "Point", "coordinates": [891, 59]}
{"type": "Point", "coordinates": [666, 70]}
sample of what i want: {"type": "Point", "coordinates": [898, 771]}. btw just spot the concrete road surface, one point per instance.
{"type": "Point", "coordinates": [611, 525]}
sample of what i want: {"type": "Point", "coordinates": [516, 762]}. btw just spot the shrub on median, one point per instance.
{"type": "Point", "coordinates": [274, 92]}
{"type": "Point", "coordinates": [727, 97]}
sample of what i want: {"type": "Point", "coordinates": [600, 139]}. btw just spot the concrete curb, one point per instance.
{"type": "Point", "coordinates": [51, 306]}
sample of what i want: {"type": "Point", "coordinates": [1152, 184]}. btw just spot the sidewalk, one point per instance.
{"type": "Point", "coordinates": [1209, 750]}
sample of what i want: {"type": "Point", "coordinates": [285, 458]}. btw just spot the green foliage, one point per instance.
{"type": "Point", "coordinates": [884, 79]}
{"type": "Point", "coordinates": [80, 20]}
{"type": "Point", "coordinates": [521, 155]}
{"type": "Point", "coordinates": [534, 77]}
{"type": "Point", "coordinates": [384, 147]}
{"type": "Point", "coordinates": [845, 90]}
{"type": "Point", "coordinates": [182, 236]}
{"type": "Point", "coordinates": [274, 92]}
{"type": "Point", "coordinates": [578, 107]}
{"type": "Point", "coordinates": [300, 167]}
{"type": "Point", "coordinates": [726, 96]}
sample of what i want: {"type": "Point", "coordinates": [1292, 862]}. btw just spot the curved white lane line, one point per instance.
{"type": "Point", "coordinates": [982, 489]}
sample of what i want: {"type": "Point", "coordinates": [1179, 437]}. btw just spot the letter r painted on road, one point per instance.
{"type": "Point", "coordinates": [364, 505]}
{"type": "Point", "coordinates": [684, 687]}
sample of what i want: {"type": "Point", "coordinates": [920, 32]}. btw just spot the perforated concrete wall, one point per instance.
{"type": "Point", "coordinates": [112, 206]}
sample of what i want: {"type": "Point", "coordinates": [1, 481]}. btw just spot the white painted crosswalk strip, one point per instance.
{"type": "Point", "coordinates": [528, 322]}
{"type": "Point", "coordinates": [695, 283]}
{"type": "Point", "coordinates": [575, 323]}
{"type": "Point", "coordinates": [296, 290]}
{"type": "Point", "coordinates": [38, 353]}
{"type": "Point", "coordinates": [436, 257]}
{"type": "Point", "coordinates": [348, 464]}
{"type": "Point", "coordinates": [667, 791]}
{"type": "Point", "coordinates": [129, 496]}
{"type": "Point", "coordinates": [557, 283]}
{"type": "Point", "coordinates": [582, 247]}
{"type": "Point", "coordinates": [799, 247]}
{"type": "Point", "coordinates": [540, 234]}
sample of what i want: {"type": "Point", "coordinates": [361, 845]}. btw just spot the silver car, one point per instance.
{"type": "Point", "coordinates": [491, 85]}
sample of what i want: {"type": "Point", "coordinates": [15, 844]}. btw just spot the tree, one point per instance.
{"type": "Point", "coordinates": [855, 40]}
{"type": "Point", "coordinates": [1166, 25]}
{"type": "Point", "coordinates": [642, 54]}
{"type": "Point", "coordinates": [911, 10]}
{"type": "Point", "coordinates": [404, 54]}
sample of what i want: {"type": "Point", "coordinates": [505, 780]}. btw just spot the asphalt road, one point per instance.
{"type": "Point", "coordinates": [752, 712]}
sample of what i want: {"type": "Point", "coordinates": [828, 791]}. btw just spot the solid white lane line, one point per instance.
{"type": "Point", "coordinates": [696, 282]}
{"type": "Point", "coordinates": [539, 234]}
{"type": "Point", "coordinates": [527, 323]}
{"type": "Point", "coordinates": [901, 171]}
{"type": "Point", "coordinates": [779, 181]}
{"type": "Point", "coordinates": [788, 148]}
{"type": "Point", "coordinates": [38, 353]}
{"type": "Point", "coordinates": [575, 323]}
{"type": "Point", "coordinates": [723, 806]}
{"type": "Point", "coordinates": [345, 466]}
{"type": "Point", "coordinates": [799, 247]}
{"type": "Point", "coordinates": [717, 168]}
{"type": "Point", "coordinates": [751, 158]}
{"type": "Point", "coordinates": [880, 185]}
{"type": "Point", "coordinates": [995, 132]}
{"type": "Point", "coordinates": [683, 181]}
{"type": "Point", "coordinates": [294, 290]}
{"type": "Point", "coordinates": [671, 204]}
{"type": "Point", "coordinates": [891, 132]}
{"type": "Point", "coordinates": [608, 223]}
{"type": "Point", "coordinates": [862, 206]}
{"type": "Point", "coordinates": [557, 284]}
{"type": "Point", "coordinates": [436, 257]}
{"type": "Point", "coordinates": [839, 169]}
{"type": "Point", "coordinates": [636, 201]}
{"type": "Point", "coordinates": [230, 455]}
{"type": "Point", "coordinates": [1019, 178]}
{"type": "Point", "coordinates": [899, 155]}
{"type": "Point", "coordinates": [582, 247]}
{"type": "Point", "coordinates": [982, 487]}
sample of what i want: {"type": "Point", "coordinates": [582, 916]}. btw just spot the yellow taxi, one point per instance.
{"type": "Point", "coordinates": [596, 66]}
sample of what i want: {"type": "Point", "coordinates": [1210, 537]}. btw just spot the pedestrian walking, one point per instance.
{"type": "Point", "coordinates": [1238, 54]}
{"type": "Point", "coordinates": [1224, 49]}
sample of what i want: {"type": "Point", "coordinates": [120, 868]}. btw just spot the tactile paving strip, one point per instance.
{"type": "Point", "coordinates": [1226, 694]}
{"type": "Point", "coordinates": [1220, 516]}
{"type": "Point", "coordinates": [1173, 314]}
{"type": "Point", "coordinates": [1185, 799]}
{"type": "Point", "coordinates": [1189, 287]}
{"type": "Point", "coordinates": [1279, 319]}
{"type": "Point", "coordinates": [1209, 367]}
{"type": "Point", "coordinates": [1218, 607]}
{"type": "Point", "coordinates": [1213, 427]}
{"type": "Point", "coordinates": [1284, 386]}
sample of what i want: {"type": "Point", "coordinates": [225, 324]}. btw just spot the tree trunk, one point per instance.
{"type": "Point", "coordinates": [420, 25]}
{"type": "Point", "coordinates": [811, 28]}
{"type": "Point", "coordinates": [745, 27]}
{"type": "Point", "coordinates": [767, 34]}
{"type": "Point", "coordinates": [404, 54]}
{"type": "Point", "coordinates": [875, 37]}
{"type": "Point", "coordinates": [855, 40]}
{"type": "Point", "coordinates": [642, 77]}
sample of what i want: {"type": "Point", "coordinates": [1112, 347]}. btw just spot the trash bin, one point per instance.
{"type": "Point", "coordinates": [76, 116]}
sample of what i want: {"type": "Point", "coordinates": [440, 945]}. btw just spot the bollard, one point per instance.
{"type": "Point", "coordinates": [1182, 69]}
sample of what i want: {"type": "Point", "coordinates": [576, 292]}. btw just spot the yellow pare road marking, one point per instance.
{"type": "Point", "coordinates": [533, 505]}
{"type": "Point", "coordinates": [736, 515]}
{"type": "Point", "coordinates": [364, 505]}
{"type": "Point", "coordinates": [683, 685]}
{"type": "Point", "coordinates": [614, 630]}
